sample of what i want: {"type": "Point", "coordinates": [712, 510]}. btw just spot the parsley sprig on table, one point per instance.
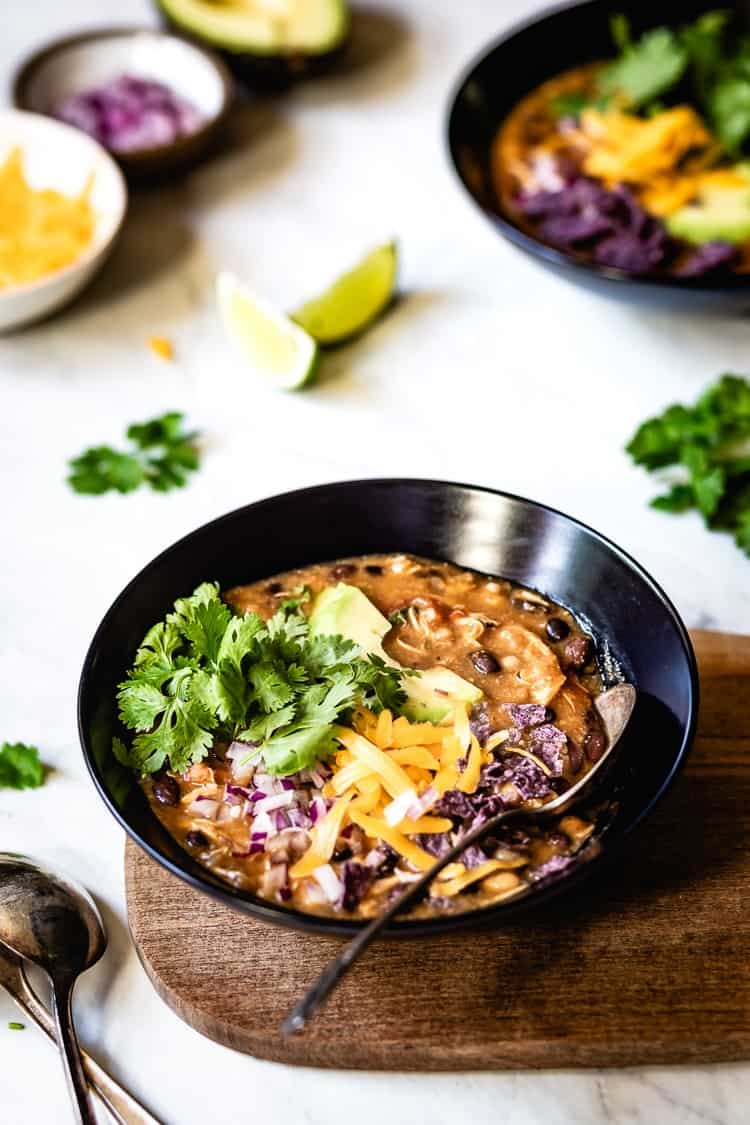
{"type": "Point", "coordinates": [203, 675]}
{"type": "Point", "coordinates": [20, 767]}
{"type": "Point", "coordinates": [161, 455]}
{"type": "Point", "coordinates": [710, 442]}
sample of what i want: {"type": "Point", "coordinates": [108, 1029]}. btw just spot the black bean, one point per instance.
{"type": "Point", "coordinates": [577, 651]}
{"type": "Point", "coordinates": [550, 714]}
{"type": "Point", "coordinates": [343, 853]}
{"type": "Point", "coordinates": [196, 839]}
{"type": "Point", "coordinates": [373, 568]}
{"type": "Point", "coordinates": [484, 662]}
{"type": "Point", "coordinates": [342, 570]}
{"type": "Point", "coordinates": [595, 745]}
{"type": "Point", "coordinates": [166, 791]}
{"type": "Point", "coordinates": [557, 629]}
{"type": "Point", "coordinates": [273, 588]}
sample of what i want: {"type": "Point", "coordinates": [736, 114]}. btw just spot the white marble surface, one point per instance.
{"type": "Point", "coordinates": [486, 350]}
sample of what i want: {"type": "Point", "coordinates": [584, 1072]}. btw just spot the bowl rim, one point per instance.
{"type": "Point", "coordinates": [528, 242]}
{"type": "Point", "coordinates": [297, 919]}
{"type": "Point", "coordinates": [27, 68]}
{"type": "Point", "coordinates": [98, 248]}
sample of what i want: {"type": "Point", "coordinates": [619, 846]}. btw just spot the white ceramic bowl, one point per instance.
{"type": "Point", "coordinates": [60, 157]}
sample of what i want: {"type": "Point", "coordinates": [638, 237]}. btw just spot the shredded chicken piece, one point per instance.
{"type": "Point", "coordinates": [538, 666]}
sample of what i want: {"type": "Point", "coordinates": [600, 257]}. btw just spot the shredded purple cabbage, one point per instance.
{"type": "Point", "coordinates": [130, 113]}
{"type": "Point", "coordinates": [551, 866]}
{"type": "Point", "coordinates": [525, 775]}
{"type": "Point", "coordinates": [548, 743]}
{"type": "Point", "coordinates": [479, 723]}
{"type": "Point", "coordinates": [356, 879]}
{"type": "Point", "coordinates": [711, 257]}
{"type": "Point", "coordinates": [612, 224]}
{"type": "Point", "coordinates": [526, 714]}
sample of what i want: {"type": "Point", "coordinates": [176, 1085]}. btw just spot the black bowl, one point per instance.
{"type": "Point", "coordinates": [522, 59]}
{"type": "Point", "coordinates": [639, 637]}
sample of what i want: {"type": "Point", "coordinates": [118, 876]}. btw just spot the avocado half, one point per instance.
{"type": "Point", "coordinates": [265, 45]}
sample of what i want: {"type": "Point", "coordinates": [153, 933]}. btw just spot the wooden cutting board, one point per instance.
{"type": "Point", "coordinates": [647, 963]}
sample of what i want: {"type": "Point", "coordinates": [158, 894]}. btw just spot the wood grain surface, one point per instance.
{"type": "Point", "coordinates": [647, 963]}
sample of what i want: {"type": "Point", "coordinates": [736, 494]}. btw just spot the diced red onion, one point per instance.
{"type": "Point", "coordinates": [299, 818]}
{"type": "Point", "coordinates": [204, 806]}
{"type": "Point", "coordinates": [398, 808]}
{"type": "Point", "coordinates": [129, 113]}
{"type": "Point", "coordinates": [277, 801]}
{"type": "Point", "coordinates": [280, 819]}
{"type": "Point", "coordinates": [329, 882]}
{"type": "Point", "coordinates": [263, 824]}
{"type": "Point", "coordinates": [423, 803]}
{"type": "Point", "coordinates": [317, 809]}
{"type": "Point", "coordinates": [287, 783]}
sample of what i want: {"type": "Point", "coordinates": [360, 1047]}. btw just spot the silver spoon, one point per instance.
{"type": "Point", "coordinates": [122, 1106]}
{"type": "Point", "coordinates": [53, 923]}
{"type": "Point", "coordinates": [615, 708]}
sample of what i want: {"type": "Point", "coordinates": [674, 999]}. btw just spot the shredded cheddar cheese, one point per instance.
{"type": "Point", "coordinates": [41, 230]}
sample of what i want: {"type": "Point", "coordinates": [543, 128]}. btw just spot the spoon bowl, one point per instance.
{"type": "Point", "coordinates": [53, 923]}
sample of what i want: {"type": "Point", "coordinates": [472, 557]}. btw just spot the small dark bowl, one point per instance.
{"type": "Point", "coordinates": [637, 629]}
{"type": "Point", "coordinates": [521, 60]}
{"type": "Point", "coordinates": [82, 62]}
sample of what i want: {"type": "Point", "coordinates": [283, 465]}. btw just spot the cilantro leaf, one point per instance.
{"type": "Point", "coordinates": [707, 441]}
{"type": "Point", "coordinates": [20, 767]}
{"type": "Point", "coordinates": [102, 469]}
{"type": "Point", "coordinates": [646, 68]}
{"type": "Point", "coordinates": [161, 455]}
{"type": "Point", "coordinates": [203, 674]}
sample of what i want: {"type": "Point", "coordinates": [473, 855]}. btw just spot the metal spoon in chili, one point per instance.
{"type": "Point", "coordinates": [615, 708]}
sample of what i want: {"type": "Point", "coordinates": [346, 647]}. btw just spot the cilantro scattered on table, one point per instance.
{"type": "Point", "coordinates": [20, 767]}
{"type": "Point", "coordinates": [709, 443]}
{"type": "Point", "coordinates": [204, 674]}
{"type": "Point", "coordinates": [701, 62]}
{"type": "Point", "coordinates": [161, 455]}
{"type": "Point", "coordinates": [14, 1026]}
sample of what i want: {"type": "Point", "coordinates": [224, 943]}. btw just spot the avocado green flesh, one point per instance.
{"type": "Point", "coordinates": [305, 27]}
{"type": "Point", "coordinates": [719, 216]}
{"type": "Point", "coordinates": [345, 611]}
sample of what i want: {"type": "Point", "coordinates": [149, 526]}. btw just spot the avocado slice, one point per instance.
{"type": "Point", "coordinates": [344, 611]}
{"type": "Point", "coordinates": [719, 214]}
{"type": "Point", "coordinates": [262, 42]}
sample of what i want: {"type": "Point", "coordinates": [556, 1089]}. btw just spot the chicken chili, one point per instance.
{"type": "Point", "coordinates": [319, 737]}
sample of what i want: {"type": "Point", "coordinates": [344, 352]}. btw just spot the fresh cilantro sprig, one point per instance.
{"type": "Point", "coordinates": [20, 767]}
{"type": "Point", "coordinates": [710, 444]}
{"type": "Point", "coordinates": [161, 455]}
{"type": "Point", "coordinates": [203, 675]}
{"type": "Point", "coordinates": [701, 60]}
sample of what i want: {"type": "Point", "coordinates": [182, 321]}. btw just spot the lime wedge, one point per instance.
{"type": "Point", "coordinates": [354, 301]}
{"type": "Point", "coordinates": [276, 347]}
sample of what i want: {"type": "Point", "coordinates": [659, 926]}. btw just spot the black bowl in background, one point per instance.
{"type": "Point", "coordinates": [526, 56]}
{"type": "Point", "coordinates": [639, 637]}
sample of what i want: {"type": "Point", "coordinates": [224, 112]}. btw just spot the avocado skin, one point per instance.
{"type": "Point", "coordinates": [265, 73]}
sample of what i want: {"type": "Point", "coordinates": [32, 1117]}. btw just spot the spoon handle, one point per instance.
{"type": "Point", "coordinates": [316, 995]}
{"type": "Point", "coordinates": [62, 991]}
{"type": "Point", "coordinates": [122, 1106]}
